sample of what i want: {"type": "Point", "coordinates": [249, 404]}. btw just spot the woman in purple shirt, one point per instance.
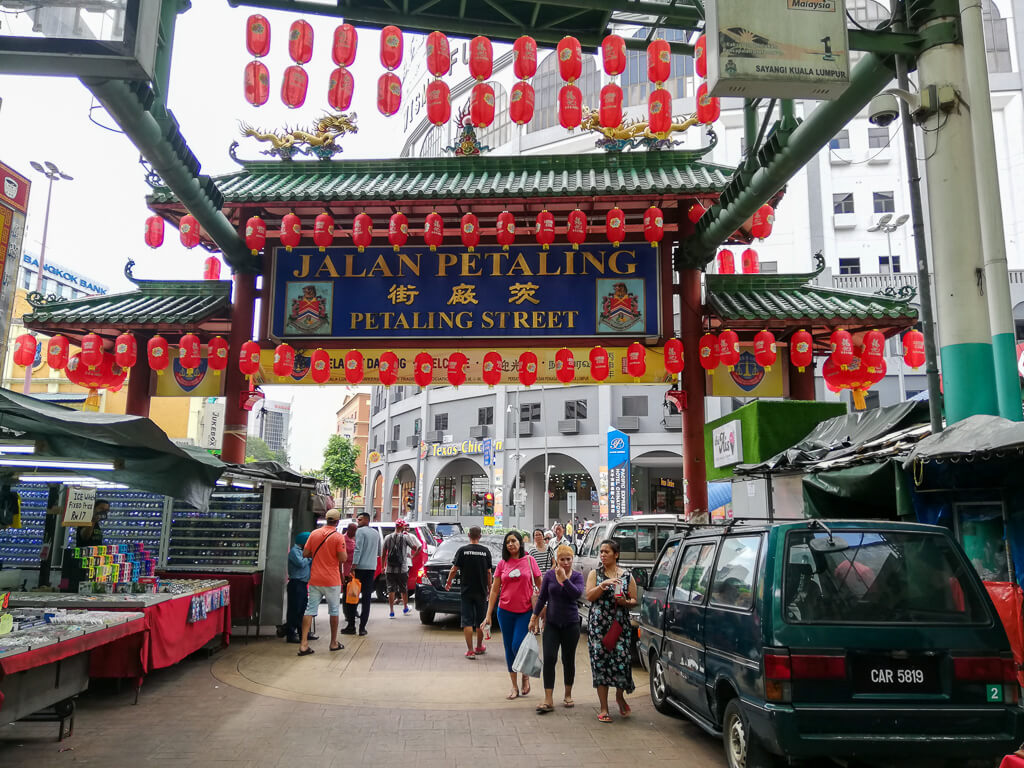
{"type": "Point", "coordinates": [559, 591]}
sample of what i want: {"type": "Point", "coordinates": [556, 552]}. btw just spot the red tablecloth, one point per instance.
{"type": "Point", "coordinates": [168, 638]}
{"type": "Point", "coordinates": [243, 588]}
{"type": "Point", "coordinates": [67, 648]}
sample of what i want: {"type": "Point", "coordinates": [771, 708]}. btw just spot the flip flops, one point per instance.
{"type": "Point", "coordinates": [543, 709]}
{"type": "Point", "coordinates": [513, 695]}
{"type": "Point", "coordinates": [470, 655]}
{"type": "Point", "coordinates": [625, 710]}
{"type": "Point", "coordinates": [480, 650]}
{"type": "Point", "coordinates": [604, 718]}
{"type": "Point", "coordinates": [568, 703]}
{"type": "Point", "coordinates": [339, 648]}
{"type": "Point", "coordinates": [306, 652]}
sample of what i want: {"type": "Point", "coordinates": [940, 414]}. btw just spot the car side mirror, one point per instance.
{"type": "Point", "coordinates": [640, 577]}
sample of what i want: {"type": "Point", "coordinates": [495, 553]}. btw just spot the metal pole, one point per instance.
{"type": "Point", "coordinates": [42, 262]}
{"type": "Point", "coordinates": [519, 457]}
{"type": "Point", "coordinates": [888, 244]}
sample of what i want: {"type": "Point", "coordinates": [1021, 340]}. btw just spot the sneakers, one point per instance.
{"type": "Point", "coordinates": [470, 655]}
{"type": "Point", "coordinates": [392, 614]}
{"type": "Point", "coordinates": [363, 633]}
{"type": "Point", "coordinates": [406, 611]}
{"type": "Point", "coordinates": [481, 649]}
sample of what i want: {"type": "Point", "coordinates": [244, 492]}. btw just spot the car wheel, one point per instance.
{"type": "Point", "coordinates": [659, 687]}
{"type": "Point", "coordinates": [426, 617]}
{"type": "Point", "coordinates": [742, 749]}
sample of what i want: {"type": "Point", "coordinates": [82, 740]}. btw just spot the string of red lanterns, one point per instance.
{"type": "Point", "coordinates": [257, 78]}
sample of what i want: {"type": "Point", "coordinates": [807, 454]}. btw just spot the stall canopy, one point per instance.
{"type": "Point", "coordinates": [143, 455]}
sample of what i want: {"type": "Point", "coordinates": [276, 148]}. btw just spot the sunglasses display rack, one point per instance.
{"type": "Point", "coordinates": [19, 547]}
{"type": "Point", "coordinates": [134, 517]}
{"type": "Point", "coordinates": [229, 536]}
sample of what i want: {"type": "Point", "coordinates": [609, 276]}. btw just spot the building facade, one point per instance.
{"type": "Point", "coordinates": [353, 423]}
{"type": "Point", "coordinates": [271, 422]}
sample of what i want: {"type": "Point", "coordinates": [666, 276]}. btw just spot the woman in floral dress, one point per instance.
{"type": "Point", "coordinates": [611, 592]}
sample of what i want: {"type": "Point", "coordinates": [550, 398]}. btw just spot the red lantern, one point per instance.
{"type": "Point", "coordinates": [339, 89]}
{"type": "Point", "coordinates": [57, 353]}
{"type": "Point", "coordinates": [674, 362]}
{"type": "Point", "coordinates": [570, 59]}
{"type": "Point", "coordinates": [913, 348]}
{"type": "Point", "coordinates": [801, 350]}
{"type": "Point", "coordinates": [320, 366]}
{"type": "Point", "coordinates": [659, 112]}
{"type": "Point", "coordinates": [659, 62]}
{"type": "Point", "coordinates": [189, 352]}
{"type": "Point", "coordinates": [528, 367]}
{"type": "Point", "coordinates": [491, 369]}
{"type": "Point", "coordinates": [344, 49]}
{"type": "Point", "coordinates": [613, 55]}
{"type": "Point", "coordinates": [323, 231]}
{"type": "Point", "coordinates": [726, 262]}
{"type": "Point", "coordinates": [615, 226]}
{"type": "Point", "coordinates": [217, 354]}
{"type": "Point", "coordinates": [695, 212]}
{"type": "Point", "coordinates": [284, 360]}
{"type": "Point", "coordinates": [423, 369]}
{"type": "Point", "coordinates": [842, 348]}
{"type": "Point", "coordinates": [158, 353]}
{"type": "Point", "coordinates": [291, 231]}
{"type": "Point", "coordinates": [108, 375]}
{"type": "Point", "coordinates": [211, 269]}
{"type": "Point", "coordinates": [765, 350]}
{"type": "Point", "coordinates": [545, 229]}
{"type": "Point", "coordinates": [439, 54]}
{"type": "Point", "coordinates": [154, 231]}
{"type": "Point", "coordinates": [92, 350]}
{"type": "Point", "coordinates": [610, 111]}
{"type": "Point", "coordinates": [257, 83]}
{"type": "Point", "coordinates": [387, 369]}
{"type": "Point", "coordinates": [469, 228]}
{"type": "Point", "coordinates": [389, 94]}
{"type": "Point", "coordinates": [300, 41]}
{"type": "Point", "coordinates": [728, 348]}
{"type": "Point", "coordinates": [188, 231]}
{"type": "Point", "coordinates": [576, 228]}
{"type": "Point", "coordinates": [457, 369]}
{"type": "Point", "coordinates": [481, 105]}
{"type": "Point", "coordinates": [506, 230]}
{"type": "Point", "coordinates": [521, 103]}
{"type": "Point", "coordinates": [391, 47]}
{"type": "Point", "coordinates": [524, 57]}
{"type": "Point", "coordinates": [708, 351]}
{"type": "Point", "coordinates": [255, 234]}
{"type": "Point", "coordinates": [762, 221]}
{"type": "Point", "coordinates": [481, 58]}
{"type": "Point", "coordinates": [600, 365]}
{"type": "Point", "coordinates": [709, 108]}
{"type": "Point", "coordinates": [294, 86]}
{"type": "Point", "coordinates": [700, 57]}
{"type": "Point", "coordinates": [353, 366]}
{"type": "Point", "coordinates": [565, 366]}
{"type": "Point", "coordinates": [257, 36]}
{"type": "Point", "coordinates": [749, 262]}
{"type": "Point", "coordinates": [249, 358]}
{"type": "Point", "coordinates": [570, 106]}
{"type": "Point", "coordinates": [25, 350]}
{"type": "Point", "coordinates": [398, 230]}
{"type": "Point", "coordinates": [873, 355]}
{"type": "Point", "coordinates": [433, 230]}
{"type": "Point", "coordinates": [439, 102]}
{"type": "Point", "coordinates": [654, 225]}
{"type": "Point", "coordinates": [636, 360]}
{"type": "Point", "coordinates": [362, 231]}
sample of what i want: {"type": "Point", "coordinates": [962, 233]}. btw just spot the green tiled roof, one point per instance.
{"type": "Point", "coordinates": [530, 176]}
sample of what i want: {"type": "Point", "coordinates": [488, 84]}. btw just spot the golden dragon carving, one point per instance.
{"type": "Point", "coordinates": [629, 130]}
{"type": "Point", "coordinates": [321, 137]}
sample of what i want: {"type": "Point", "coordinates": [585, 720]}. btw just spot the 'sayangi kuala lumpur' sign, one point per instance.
{"type": "Point", "coordinates": [380, 294]}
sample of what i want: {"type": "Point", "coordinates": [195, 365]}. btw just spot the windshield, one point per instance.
{"type": "Point", "coordinates": [875, 577]}
{"type": "Point", "coordinates": [446, 549]}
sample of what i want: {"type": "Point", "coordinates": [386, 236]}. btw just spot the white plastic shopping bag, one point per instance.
{"type": "Point", "coordinates": [528, 658]}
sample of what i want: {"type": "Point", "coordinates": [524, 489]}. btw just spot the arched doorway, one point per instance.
{"type": "Point", "coordinates": [403, 493]}
{"type": "Point", "coordinates": [376, 506]}
{"type": "Point", "coordinates": [553, 492]}
{"type": "Point", "coordinates": [657, 479]}
{"type": "Point", "coordinates": [457, 492]}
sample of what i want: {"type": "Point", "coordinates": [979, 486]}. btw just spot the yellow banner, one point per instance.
{"type": "Point", "coordinates": [656, 373]}
{"type": "Point", "coordinates": [748, 379]}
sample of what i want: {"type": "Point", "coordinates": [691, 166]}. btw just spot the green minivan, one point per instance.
{"type": "Point", "coordinates": [819, 638]}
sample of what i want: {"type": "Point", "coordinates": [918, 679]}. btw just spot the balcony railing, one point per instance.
{"type": "Point", "coordinates": [870, 283]}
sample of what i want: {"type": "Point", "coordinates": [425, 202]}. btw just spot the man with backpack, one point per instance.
{"type": "Point", "coordinates": [326, 549]}
{"type": "Point", "coordinates": [399, 547]}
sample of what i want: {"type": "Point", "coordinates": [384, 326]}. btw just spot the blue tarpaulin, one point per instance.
{"type": "Point", "coordinates": [719, 494]}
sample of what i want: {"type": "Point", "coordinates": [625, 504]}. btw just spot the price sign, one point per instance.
{"type": "Point", "coordinates": [79, 505]}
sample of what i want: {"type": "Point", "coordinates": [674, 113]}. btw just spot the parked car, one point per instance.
{"type": "Point", "coordinates": [444, 530]}
{"type": "Point", "coordinates": [845, 639]}
{"type": "Point", "coordinates": [431, 596]}
{"type": "Point", "coordinates": [428, 544]}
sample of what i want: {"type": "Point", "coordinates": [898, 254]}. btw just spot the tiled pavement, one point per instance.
{"type": "Point", "coordinates": [403, 696]}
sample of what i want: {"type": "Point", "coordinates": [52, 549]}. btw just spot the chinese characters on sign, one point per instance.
{"type": "Point", "coordinates": [619, 484]}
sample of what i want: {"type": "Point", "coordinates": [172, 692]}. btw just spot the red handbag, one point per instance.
{"type": "Point", "coordinates": [611, 637]}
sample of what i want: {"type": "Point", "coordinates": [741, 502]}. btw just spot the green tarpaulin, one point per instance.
{"type": "Point", "coordinates": [879, 491]}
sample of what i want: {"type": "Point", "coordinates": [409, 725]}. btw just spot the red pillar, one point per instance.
{"type": "Point", "coordinates": [691, 323]}
{"type": "Point", "coordinates": [137, 399]}
{"type": "Point", "coordinates": [801, 385]}
{"type": "Point", "coordinates": [236, 420]}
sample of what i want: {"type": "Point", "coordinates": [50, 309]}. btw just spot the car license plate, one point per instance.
{"type": "Point", "coordinates": [879, 673]}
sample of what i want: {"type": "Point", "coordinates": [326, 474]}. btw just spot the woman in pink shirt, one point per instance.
{"type": "Point", "coordinates": [515, 579]}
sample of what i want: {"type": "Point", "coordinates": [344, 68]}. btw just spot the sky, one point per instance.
{"type": "Point", "coordinates": [97, 221]}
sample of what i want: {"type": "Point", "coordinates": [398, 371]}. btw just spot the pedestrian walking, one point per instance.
{"type": "Point", "coordinates": [298, 585]}
{"type": "Point", "coordinates": [472, 563]}
{"type": "Point", "coordinates": [540, 551]}
{"type": "Point", "coordinates": [364, 568]}
{"type": "Point", "coordinates": [560, 539]}
{"type": "Point", "coordinates": [515, 578]}
{"type": "Point", "coordinates": [325, 548]}
{"type": "Point", "coordinates": [399, 549]}
{"type": "Point", "coordinates": [611, 591]}
{"type": "Point", "coordinates": [560, 588]}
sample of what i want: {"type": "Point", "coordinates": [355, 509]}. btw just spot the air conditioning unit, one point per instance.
{"type": "Point", "coordinates": [673, 422]}
{"type": "Point", "coordinates": [525, 429]}
{"type": "Point", "coordinates": [479, 431]}
{"type": "Point", "coordinates": [627, 423]}
{"type": "Point", "coordinates": [436, 436]}
{"type": "Point", "coordinates": [391, 446]}
{"type": "Point", "coordinates": [569, 426]}
{"type": "Point", "coordinates": [412, 441]}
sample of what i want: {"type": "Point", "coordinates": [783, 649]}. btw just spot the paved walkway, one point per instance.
{"type": "Point", "coordinates": [402, 696]}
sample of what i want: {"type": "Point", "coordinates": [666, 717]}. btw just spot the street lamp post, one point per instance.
{"type": "Point", "coordinates": [51, 172]}
{"type": "Point", "coordinates": [887, 225]}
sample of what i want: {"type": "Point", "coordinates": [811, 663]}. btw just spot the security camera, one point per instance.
{"type": "Point", "coordinates": [883, 110]}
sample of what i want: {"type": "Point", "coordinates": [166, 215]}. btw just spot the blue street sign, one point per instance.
{"type": "Point", "coordinates": [619, 493]}
{"type": "Point", "coordinates": [488, 448]}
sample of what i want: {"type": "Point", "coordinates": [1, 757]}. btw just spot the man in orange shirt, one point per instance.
{"type": "Point", "coordinates": [327, 549]}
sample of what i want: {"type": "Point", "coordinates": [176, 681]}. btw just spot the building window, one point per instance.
{"type": "Point", "coordinates": [884, 202]}
{"type": "Point", "coordinates": [635, 85]}
{"type": "Point", "coordinates": [396, 432]}
{"type": "Point", "coordinates": [485, 416]}
{"type": "Point", "coordinates": [997, 38]}
{"type": "Point", "coordinates": [547, 83]}
{"type": "Point", "coordinates": [27, 279]}
{"type": "Point", "coordinates": [849, 266]}
{"type": "Point", "coordinates": [575, 409]}
{"type": "Point", "coordinates": [878, 137]}
{"type": "Point", "coordinates": [440, 421]}
{"type": "Point", "coordinates": [441, 495]}
{"type": "Point", "coordinates": [417, 426]}
{"type": "Point", "coordinates": [529, 412]}
{"type": "Point", "coordinates": [499, 132]}
{"type": "Point", "coordinates": [889, 264]}
{"type": "Point", "coordinates": [635, 405]}
{"type": "Point", "coordinates": [842, 202]}
{"type": "Point", "coordinates": [841, 140]}
{"type": "Point", "coordinates": [437, 138]}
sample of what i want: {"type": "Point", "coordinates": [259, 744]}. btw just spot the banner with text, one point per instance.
{"type": "Point", "coordinates": [619, 481]}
